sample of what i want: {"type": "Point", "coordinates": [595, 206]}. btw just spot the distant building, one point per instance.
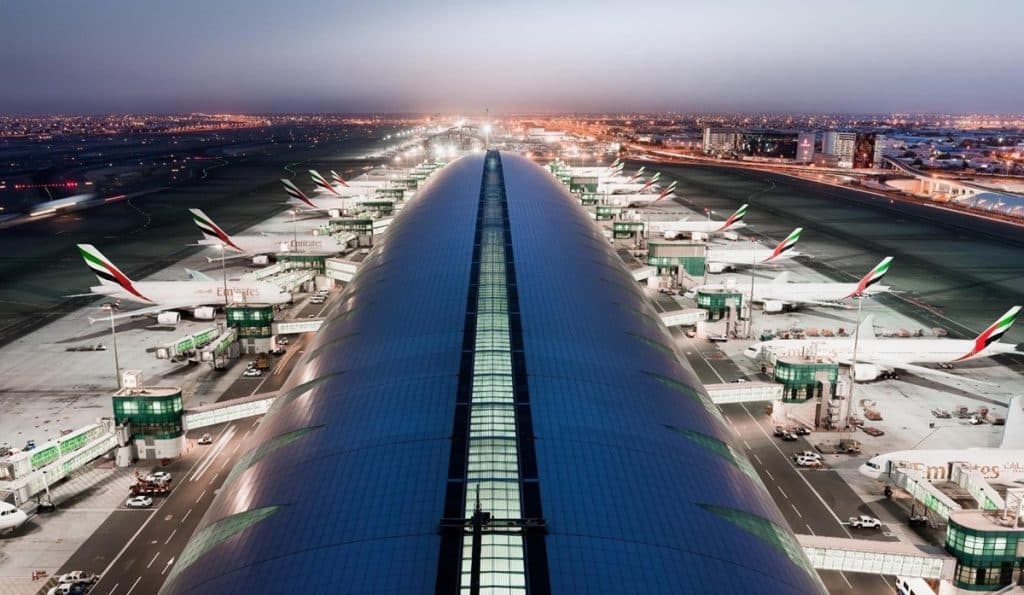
{"type": "Point", "coordinates": [772, 144]}
{"type": "Point", "coordinates": [841, 145]}
{"type": "Point", "coordinates": [861, 150]}
{"type": "Point", "coordinates": [868, 153]}
{"type": "Point", "coordinates": [720, 140]}
{"type": "Point", "coordinates": [805, 147]}
{"type": "Point", "coordinates": [541, 135]}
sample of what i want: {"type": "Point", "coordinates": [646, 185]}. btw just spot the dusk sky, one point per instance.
{"type": "Point", "coordinates": [403, 55]}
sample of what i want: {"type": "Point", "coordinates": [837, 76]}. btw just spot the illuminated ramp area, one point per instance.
{"type": "Point", "coordinates": [493, 406]}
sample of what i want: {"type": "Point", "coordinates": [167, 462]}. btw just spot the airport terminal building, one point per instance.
{"type": "Point", "coordinates": [493, 406]}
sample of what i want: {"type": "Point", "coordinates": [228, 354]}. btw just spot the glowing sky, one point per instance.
{"type": "Point", "coordinates": [404, 55]}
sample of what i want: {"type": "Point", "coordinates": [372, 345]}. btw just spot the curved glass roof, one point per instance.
{"type": "Point", "coordinates": [640, 485]}
{"type": "Point", "coordinates": [1007, 204]}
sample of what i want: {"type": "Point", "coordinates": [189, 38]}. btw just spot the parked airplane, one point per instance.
{"type": "Point", "coordinates": [672, 229]}
{"type": "Point", "coordinates": [11, 517]}
{"type": "Point", "coordinates": [876, 357]}
{"type": "Point", "coordinates": [160, 296]}
{"type": "Point", "coordinates": [251, 245]}
{"type": "Point", "coordinates": [333, 205]}
{"type": "Point", "coordinates": [720, 259]}
{"type": "Point", "coordinates": [1005, 463]}
{"type": "Point", "coordinates": [779, 292]}
{"type": "Point", "coordinates": [635, 199]}
{"type": "Point", "coordinates": [625, 186]}
{"type": "Point", "coordinates": [345, 189]}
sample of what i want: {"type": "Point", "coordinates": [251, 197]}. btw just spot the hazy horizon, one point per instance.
{"type": "Point", "coordinates": [398, 56]}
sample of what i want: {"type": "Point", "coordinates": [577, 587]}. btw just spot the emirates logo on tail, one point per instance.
{"type": "Point", "coordinates": [872, 278]}
{"type": "Point", "coordinates": [734, 218]}
{"type": "Point", "coordinates": [991, 334]}
{"type": "Point", "coordinates": [785, 245]}
{"type": "Point", "coordinates": [294, 192]}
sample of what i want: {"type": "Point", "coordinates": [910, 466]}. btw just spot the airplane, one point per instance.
{"type": "Point", "coordinates": [345, 188]}
{"type": "Point", "coordinates": [605, 172]}
{"type": "Point", "coordinates": [11, 517]}
{"type": "Point", "coordinates": [333, 205]}
{"type": "Point", "coordinates": [877, 356]}
{"type": "Point", "coordinates": [671, 229]}
{"type": "Point", "coordinates": [720, 259]}
{"type": "Point", "coordinates": [251, 245]}
{"type": "Point", "coordinates": [160, 296]}
{"type": "Point", "coordinates": [624, 186]}
{"type": "Point", "coordinates": [634, 199]}
{"type": "Point", "coordinates": [1004, 463]}
{"type": "Point", "coordinates": [779, 292]}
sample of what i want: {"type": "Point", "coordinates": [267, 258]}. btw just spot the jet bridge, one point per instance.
{"type": "Point", "coordinates": [28, 474]}
{"type": "Point", "coordinates": [878, 557]}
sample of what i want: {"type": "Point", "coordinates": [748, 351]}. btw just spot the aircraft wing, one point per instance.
{"type": "Point", "coordinates": [144, 311]}
{"type": "Point", "coordinates": [920, 370]}
{"type": "Point", "coordinates": [1013, 433]}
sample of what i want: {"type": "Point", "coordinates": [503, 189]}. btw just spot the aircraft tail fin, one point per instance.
{"type": "Point", "coordinates": [667, 191]}
{"type": "Point", "coordinates": [786, 244]}
{"type": "Point", "coordinates": [212, 230]}
{"type": "Point", "coordinates": [294, 192]}
{"type": "Point", "coordinates": [735, 218]}
{"type": "Point", "coordinates": [1013, 433]}
{"type": "Point", "coordinates": [321, 182]}
{"type": "Point", "coordinates": [992, 334]}
{"type": "Point", "coordinates": [338, 179]}
{"type": "Point", "coordinates": [867, 327]}
{"type": "Point", "coordinates": [107, 272]}
{"type": "Point", "coordinates": [874, 276]}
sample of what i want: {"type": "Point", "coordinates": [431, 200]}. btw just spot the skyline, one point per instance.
{"type": "Point", "coordinates": [398, 56]}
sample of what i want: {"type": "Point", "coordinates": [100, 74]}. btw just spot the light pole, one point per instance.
{"type": "Point", "coordinates": [853, 363]}
{"type": "Point", "coordinates": [295, 234]}
{"type": "Point", "coordinates": [750, 301]}
{"type": "Point", "coordinates": [111, 307]}
{"type": "Point", "coordinates": [224, 274]}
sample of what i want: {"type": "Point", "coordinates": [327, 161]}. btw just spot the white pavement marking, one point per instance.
{"type": "Point", "coordinates": [809, 529]}
{"type": "Point", "coordinates": [166, 566]}
{"type": "Point", "coordinates": [128, 543]}
{"type": "Point", "coordinates": [800, 475]}
{"type": "Point", "coordinates": [745, 443]}
{"type": "Point", "coordinates": [784, 494]}
{"type": "Point", "coordinates": [200, 496]}
{"type": "Point", "coordinates": [153, 560]}
{"type": "Point", "coordinates": [116, 585]}
{"type": "Point", "coordinates": [132, 588]}
{"type": "Point", "coordinates": [769, 474]}
{"type": "Point", "coordinates": [222, 443]}
{"type": "Point", "coordinates": [758, 459]}
{"type": "Point", "coordinates": [796, 510]}
{"type": "Point", "coordinates": [170, 537]}
{"type": "Point", "coordinates": [846, 579]}
{"type": "Point", "coordinates": [186, 516]}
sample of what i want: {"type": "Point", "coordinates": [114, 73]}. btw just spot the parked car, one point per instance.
{"type": "Point", "coordinates": [789, 437]}
{"type": "Point", "coordinates": [277, 351]}
{"type": "Point", "coordinates": [282, 340]}
{"type": "Point", "coordinates": [252, 372]}
{"type": "Point", "coordinates": [779, 431]}
{"type": "Point", "coordinates": [159, 477]}
{"type": "Point", "coordinates": [865, 522]}
{"type": "Point", "coordinates": [801, 431]}
{"type": "Point", "coordinates": [808, 462]}
{"type": "Point", "coordinates": [77, 576]}
{"type": "Point", "coordinates": [139, 502]}
{"type": "Point", "coordinates": [809, 454]}
{"type": "Point", "coordinates": [205, 439]}
{"type": "Point", "coordinates": [30, 445]}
